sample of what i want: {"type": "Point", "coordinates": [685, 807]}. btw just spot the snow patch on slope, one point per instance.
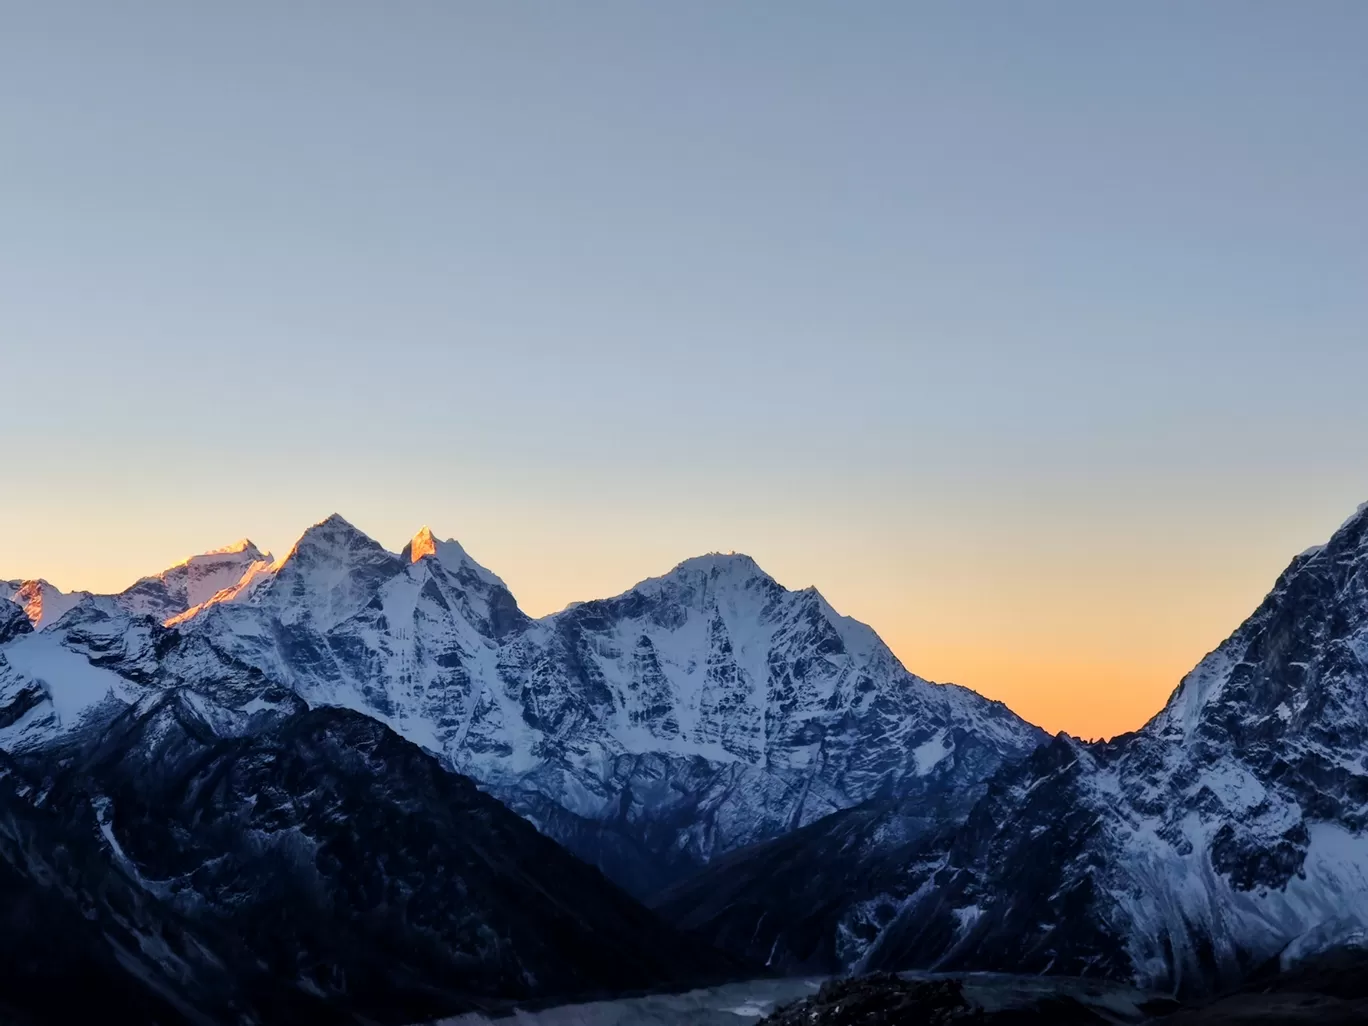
{"type": "Point", "coordinates": [927, 755]}
{"type": "Point", "coordinates": [73, 686]}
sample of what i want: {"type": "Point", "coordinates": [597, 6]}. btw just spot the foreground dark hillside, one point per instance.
{"type": "Point", "coordinates": [321, 870]}
{"type": "Point", "coordinates": [1328, 990]}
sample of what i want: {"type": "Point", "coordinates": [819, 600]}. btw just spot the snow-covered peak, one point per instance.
{"type": "Point", "coordinates": [242, 545]}
{"type": "Point", "coordinates": [45, 603]}
{"type": "Point", "coordinates": [332, 540]}
{"type": "Point", "coordinates": [1318, 609]}
{"type": "Point", "coordinates": [330, 534]}
{"type": "Point", "coordinates": [747, 597]}
{"type": "Point", "coordinates": [697, 582]}
{"type": "Point", "coordinates": [423, 544]}
{"type": "Point", "coordinates": [735, 565]}
{"type": "Point", "coordinates": [450, 553]}
{"type": "Point", "coordinates": [193, 582]}
{"type": "Point", "coordinates": [256, 575]}
{"type": "Point", "coordinates": [716, 659]}
{"type": "Point", "coordinates": [330, 573]}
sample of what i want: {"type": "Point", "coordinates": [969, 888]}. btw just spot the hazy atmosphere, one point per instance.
{"type": "Point", "coordinates": [1032, 335]}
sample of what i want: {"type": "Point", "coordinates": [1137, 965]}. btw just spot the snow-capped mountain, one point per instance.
{"type": "Point", "coordinates": [711, 708]}
{"type": "Point", "coordinates": [696, 713]}
{"type": "Point", "coordinates": [43, 603]}
{"type": "Point", "coordinates": [1229, 827]}
{"type": "Point", "coordinates": [194, 581]}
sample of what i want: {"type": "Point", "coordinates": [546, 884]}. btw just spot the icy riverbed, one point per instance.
{"type": "Point", "coordinates": [734, 1004]}
{"type": "Point", "coordinates": [740, 1004]}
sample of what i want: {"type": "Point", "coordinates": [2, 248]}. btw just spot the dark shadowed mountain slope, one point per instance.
{"type": "Point", "coordinates": [71, 926]}
{"type": "Point", "coordinates": [13, 621]}
{"type": "Point", "coordinates": [324, 869]}
{"type": "Point", "coordinates": [816, 899]}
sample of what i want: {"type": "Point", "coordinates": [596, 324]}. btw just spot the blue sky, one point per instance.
{"type": "Point", "coordinates": [1034, 335]}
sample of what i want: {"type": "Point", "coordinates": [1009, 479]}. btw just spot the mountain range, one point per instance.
{"type": "Point", "coordinates": [762, 771]}
{"type": "Point", "coordinates": [697, 713]}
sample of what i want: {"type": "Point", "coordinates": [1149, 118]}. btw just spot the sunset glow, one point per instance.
{"type": "Point", "coordinates": [1069, 633]}
{"type": "Point", "coordinates": [897, 478]}
{"type": "Point", "coordinates": [1039, 361]}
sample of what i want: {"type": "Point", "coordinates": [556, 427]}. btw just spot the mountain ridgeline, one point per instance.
{"type": "Point", "coordinates": [278, 777]}
{"type": "Point", "coordinates": [695, 714]}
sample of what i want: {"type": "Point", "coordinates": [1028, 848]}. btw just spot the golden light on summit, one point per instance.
{"type": "Point", "coordinates": [423, 544]}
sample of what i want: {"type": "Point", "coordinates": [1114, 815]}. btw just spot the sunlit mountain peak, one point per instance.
{"type": "Point", "coordinates": [423, 544]}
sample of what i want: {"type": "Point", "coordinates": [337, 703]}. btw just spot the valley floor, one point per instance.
{"type": "Point", "coordinates": [733, 1004]}
{"type": "Point", "coordinates": [742, 1004]}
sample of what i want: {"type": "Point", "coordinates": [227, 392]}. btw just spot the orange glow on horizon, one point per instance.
{"type": "Point", "coordinates": [1077, 624]}
{"type": "Point", "coordinates": [1086, 698]}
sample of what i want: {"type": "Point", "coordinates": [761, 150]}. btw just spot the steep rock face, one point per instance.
{"type": "Point", "coordinates": [13, 622]}
{"type": "Point", "coordinates": [319, 868]}
{"type": "Point", "coordinates": [1042, 831]}
{"type": "Point", "coordinates": [1182, 855]}
{"type": "Point", "coordinates": [818, 899]}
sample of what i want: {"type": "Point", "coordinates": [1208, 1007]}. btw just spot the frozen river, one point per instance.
{"type": "Point", "coordinates": [740, 1004]}
{"type": "Point", "coordinates": [734, 1004]}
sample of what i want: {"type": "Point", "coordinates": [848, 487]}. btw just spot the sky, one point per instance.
{"type": "Point", "coordinates": [1034, 335]}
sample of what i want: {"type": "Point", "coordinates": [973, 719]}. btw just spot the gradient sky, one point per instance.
{"type": "Point", "coordinates": [1035, 335]}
